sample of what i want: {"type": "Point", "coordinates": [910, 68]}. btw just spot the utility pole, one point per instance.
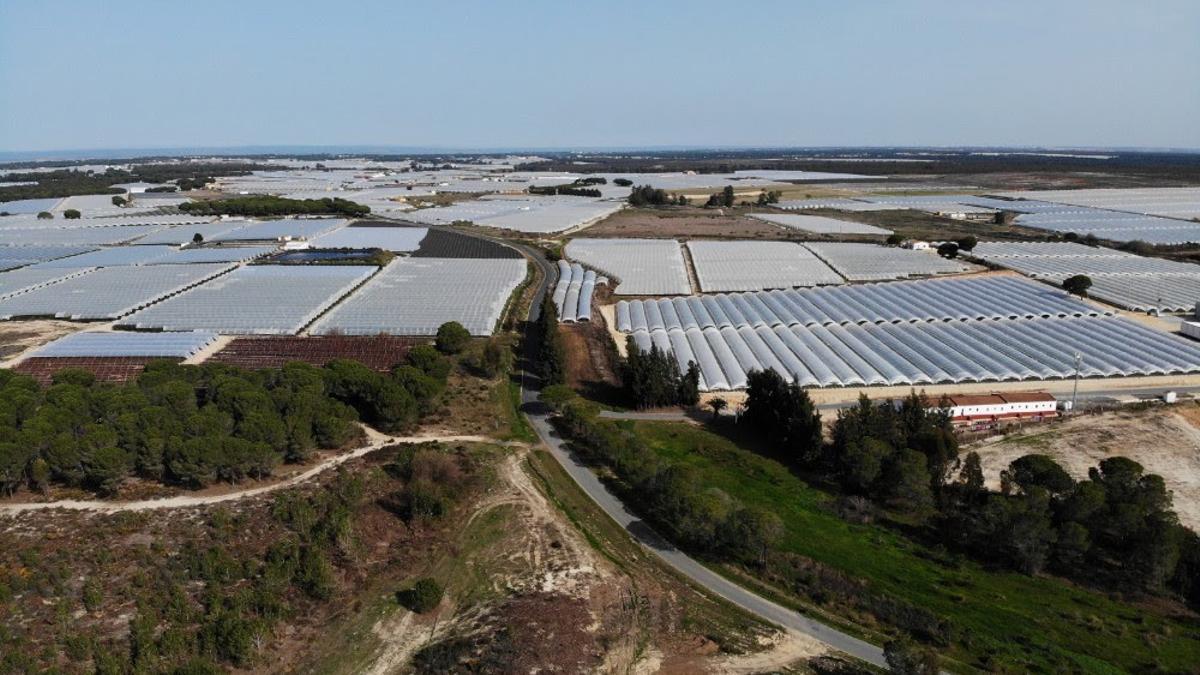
{"type": "Point", "coordinates": [1075, 387]}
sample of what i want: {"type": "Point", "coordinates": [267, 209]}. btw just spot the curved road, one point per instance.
{"type": "Point", "coordinates": [539, 417]}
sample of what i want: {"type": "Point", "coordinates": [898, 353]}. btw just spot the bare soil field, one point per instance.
{"type": "Point", "coordinates": [1166, 441]}
{"type": "Point", "coordinates": [591, 368]}
{"type": "Point", "coordinates": [688, 223]}
{"type": "Point", "coordinates": [18, 336]}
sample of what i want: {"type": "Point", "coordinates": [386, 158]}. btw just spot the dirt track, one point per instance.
{"type": "Point", "coordinates": [377, 441]}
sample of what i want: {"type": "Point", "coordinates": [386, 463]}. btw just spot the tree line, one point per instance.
{"type": "Point", "coordinates": [1115, 530]}
{"type": "Point", "coordinates": [266, 205]}
{"type": "Point", "coordinates": [71, 182]}
{"type": "Point", "coordinates": [669, 495]}
{"type": "Point", "coordinates": [652, 379]}
{"type": "Point", "coordinates": [647, 195]}
{"type": "Point", "coordinates": [195, 425]}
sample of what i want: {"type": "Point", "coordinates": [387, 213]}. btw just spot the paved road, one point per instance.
{"type": "Point", "coordinates": [539, 417]}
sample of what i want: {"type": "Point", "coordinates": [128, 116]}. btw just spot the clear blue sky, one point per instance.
{"type": "Point", "coordinates": [120, 73]}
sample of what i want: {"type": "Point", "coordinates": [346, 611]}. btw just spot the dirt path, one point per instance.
{"type": "Point", "coordinates": [376, 441]}
{"type": "Point", "coordinates": [544, 555]}
{"type": "Point", "coordinates": [784, 649]}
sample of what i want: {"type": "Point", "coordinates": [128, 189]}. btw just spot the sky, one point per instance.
{"type": "Point", "coordinates": [78, 74]}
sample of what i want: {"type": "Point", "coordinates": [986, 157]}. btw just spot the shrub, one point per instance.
{"type": "Point", "coordinates": [452, 338]}
{"type": "Point", "coordinates": [424, 595]}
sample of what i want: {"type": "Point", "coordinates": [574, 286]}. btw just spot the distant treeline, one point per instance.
{"type": "Point", "coordinates": [1166, 166]}
{"type": "Point", "coordinates": [70, 182]}
{"type": "Point", "coordinates": [194, 425]}
{"type": "Point", "coordinates": [265, 205]}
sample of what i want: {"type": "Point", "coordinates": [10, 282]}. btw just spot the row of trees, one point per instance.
{"type": "Point", "coordinates": [194, 425]}
{"type": "Point", "coordinates": [652, 379]}
{"type": "Point", "coordinates": [723, 198]}
{"type": "Point", "coordinates": [551, 353]}
{"type": "Point", "coordinates": [1114, 530]}
{"type": "Point", "coordinates": [768, 197]}
{"type": "Point", "coordinates": [577, 189]}
{"type": "Point", "coordinates": [670, 495]}
{"type": "Point", "coordinates": [647, 195]}
{"type": "Point", "coordinates": [70, 182]}
{"type": "Point", "coordinates": [266, 205]}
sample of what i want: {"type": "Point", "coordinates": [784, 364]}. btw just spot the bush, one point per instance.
{"type": "Point", "coordinates": [424, 596]}
{"type": "Point", "coordinates": [72, 214]}
{"type": "Point", "coordinates": [452, 338]}
{"type": "Point", "coordinates": [1077, 285]}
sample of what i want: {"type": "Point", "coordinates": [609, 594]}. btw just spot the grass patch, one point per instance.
{"type": "Point", "coordinates": [1002, 618]}
{"type": "Point", "coordinates": [733, 630]}
{"type": "Point", "coordinates": [509, 403]}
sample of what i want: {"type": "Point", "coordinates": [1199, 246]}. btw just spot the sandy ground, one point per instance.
{"type": "Point", "coordinates": [781, 650]}
{"type": "Point", "coordinates": [1166, 441]}
{"type": "Point", "coordinates": [18, 338]}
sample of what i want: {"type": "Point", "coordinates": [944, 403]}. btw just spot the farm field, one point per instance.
{"type": "Point", "coordinates": [378, 352]}
{"type": "Point", "coordinates": [999, 619]}
{"type": "Point", "coordinates": [689, 223]}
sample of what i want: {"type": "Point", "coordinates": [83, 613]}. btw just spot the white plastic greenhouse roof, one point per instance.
{"type": "Point", "coordinates": [642, 266]}
{"type": "Point", "coordinates": [926, 353]}
{"type": "Point", "coordinates": [114, 256]}
{"type": "Point", "coordinates": [107, 293]}
{"type": "Point", "coordinates": [1126, 280]}
{"type": "Point", "coordinates": [125, 343]}
{"type": "Point", "coordinates": [573, 293]}
{"type": "Point", "coordinates": [819, 224]}
{"type": "Point", "coordinates": [415, 296]}
{"type": "Point", "coordinates": [284, 228]}
{"type": "Point", "coordinates": [262, 299]}
{"type": "Point", "coordinates": [386, 238]}
{"type": "Point", "coordinates": [956, 299]}
{"type": "Point", "coordinates": [17, 281]}
{"type": "Point", "coordinates": [869, 262]}
{"type": "Point", "coordinates": [757, 265]}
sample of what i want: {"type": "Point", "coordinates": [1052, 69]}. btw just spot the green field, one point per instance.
{"type": "Point", "coordinates": [1003, 620]}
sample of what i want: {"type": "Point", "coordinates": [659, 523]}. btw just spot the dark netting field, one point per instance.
{"type": "Point", "coordinates": [378, 352]}
{"type": "Point", "coordinates": [110, 369]}
{"type": "Point", "coordinates": [447, 244]}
